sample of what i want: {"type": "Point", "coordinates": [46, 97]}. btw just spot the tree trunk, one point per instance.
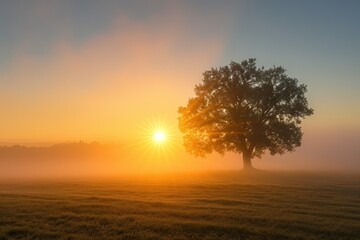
{"type": "Point", "coordinates": [247, 161]}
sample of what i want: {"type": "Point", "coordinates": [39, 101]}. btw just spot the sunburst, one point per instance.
{"type": "Point", "coordinates": [159, 140]}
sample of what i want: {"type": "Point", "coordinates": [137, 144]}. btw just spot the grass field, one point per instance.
{"type": "Point", "coordinates": [223, 205]}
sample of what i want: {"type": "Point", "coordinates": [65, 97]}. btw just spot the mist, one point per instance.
{"type": "Point", "coordinates": [320, 152]}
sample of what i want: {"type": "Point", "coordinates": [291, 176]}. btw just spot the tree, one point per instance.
{"type": "Point", "coordinates": [244, 109]}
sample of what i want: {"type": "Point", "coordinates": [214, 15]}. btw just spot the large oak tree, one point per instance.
{"type": "Point", "coordinates": [244, 109]}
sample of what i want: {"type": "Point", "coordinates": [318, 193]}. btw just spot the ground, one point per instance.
{"type": "Point", "coordinates": [218, 205]}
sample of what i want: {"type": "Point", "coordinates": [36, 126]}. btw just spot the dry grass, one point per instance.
{"type": "Point", "coordinates": [231, 205]}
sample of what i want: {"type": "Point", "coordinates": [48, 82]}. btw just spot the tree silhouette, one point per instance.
{"type": "Point", "coordinates": [244, 109]}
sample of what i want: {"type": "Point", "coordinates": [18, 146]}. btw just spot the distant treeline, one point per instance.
{"type": "Point", "coordinates": [63, 160]}
{"type": "Point", "coordinates": [75, 149]}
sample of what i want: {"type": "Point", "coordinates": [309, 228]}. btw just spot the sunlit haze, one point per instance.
{"type": "Point", "coordinates": [116, 73]}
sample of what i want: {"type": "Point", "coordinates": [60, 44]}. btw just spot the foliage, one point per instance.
{"type": "Point", "coordinates": [244, 109]}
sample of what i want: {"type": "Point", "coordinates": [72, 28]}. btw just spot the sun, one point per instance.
{"type": "Point", "coordinates": [159, 136]}
{"type": "Point", "coordinates": [158, 139]}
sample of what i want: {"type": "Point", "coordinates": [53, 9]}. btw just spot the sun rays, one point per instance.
{"type": "Point", "coordinates": [158, 141]}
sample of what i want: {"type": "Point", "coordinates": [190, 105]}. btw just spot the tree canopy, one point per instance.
{"type": "Point", "coordinates": [244, 109]}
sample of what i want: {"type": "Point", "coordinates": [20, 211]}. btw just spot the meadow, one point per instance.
{"type": "Point", "coordinates": [217, 205]}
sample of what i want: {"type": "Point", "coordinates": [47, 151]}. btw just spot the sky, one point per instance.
{"type": "Point", "coordinates": [97, 70]}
